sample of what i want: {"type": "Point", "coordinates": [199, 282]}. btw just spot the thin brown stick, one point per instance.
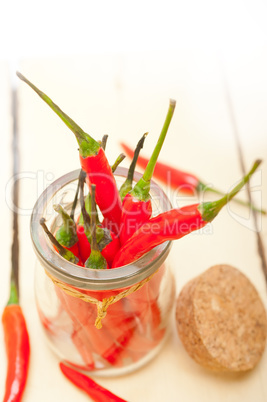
{"type": "Point", "coordinates": [15, 171]}
{"type": "Point", "coordinates": [261, 249]}
{"type": "Point", "coordinates": [104, 141]}
{"type": "Point", "coordinates": [82, 176]}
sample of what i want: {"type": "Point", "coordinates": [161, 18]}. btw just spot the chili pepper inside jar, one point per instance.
{"type": "Point", "coordinates": [106, 321]}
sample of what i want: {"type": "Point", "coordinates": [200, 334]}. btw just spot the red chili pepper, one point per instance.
{"type": "Point", "coordinates": [174, 224]}
{"type": "Point", "coordinates": [74, 307]}
{"type": "Point", "coordinates": [146, 311]}
{"type": "Point", "coordinates": [108, 242]}
{"type": "Point", "coordinates": [135, 214]}
{"type": "Point", "coordinates": [110, 341]}
{"type": "Point", "coordinates": [185, 182]}
{"type": "Point", "coordinates": [84, 225]}
{"type": "Point", "coordinates": [136, 207]}
{"type": "Point", "coordinates": [84, 245]}
{"type": "Point", "coordinates": [94, 390]}
{"type": "Point", "coordinates": [107, 343]}
{"type": "Point", "coordinates": [17, 343]}
{"type": "Point", "coordinates": [93, 162]}
{"type": "Point", "coordinates": [110, 250]}
{"type": "Point", "coordinates": [80, 341]}
{"type": "Point", "coordinates": [107, 223]}
{"type": "Point", "coordinates": [18, 352]}
{"type": "Point", "coordinates": [107, 195]}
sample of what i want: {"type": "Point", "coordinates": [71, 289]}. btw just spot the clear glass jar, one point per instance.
{"type": "Point", "coordinates": [134, 328]}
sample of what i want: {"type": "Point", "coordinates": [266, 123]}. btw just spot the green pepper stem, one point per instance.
{"type": "Point", "coordinates": [120, 158]}
{"type": "Point", "coordinates": [104, 141]}
{"type": "Point", "coordinates": [148, 173]}
{"type": "Point", "coordinates": [85, 217]}
{"type": "Point", "coordinates": [14, 278]}
{"type": "Point", "coordinates": [85, 214]}
{"type": "Point", "coordinates": [95, 260]}
{"type": "Point", "coordinates": [209, 210]}
{"type": "Point", "coordinates": [66, 219]}
{"type": "Point", "coordinates": [68, 255]}
{"type": "Point", "coordinates": [142, 187]}
{"type": "Point", "coordinates": [94, 245]}
{"type": "Point", "coordinates": [88, 146]}
{"type": "Point", "coordinates": [138, 148]}
{"type": "Point", "coordinates": [82, 176]}
{"type": "Point", "coordinates": [204, 187]}
{"type": "Point", "coordinates": [66, 234]}
{"type": "Point", "coordinates": [13, 295]}
{"type": "Point", "coordinates": [126, 187]}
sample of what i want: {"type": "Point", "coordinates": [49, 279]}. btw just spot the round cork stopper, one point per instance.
{"type": "Point", "coordinates": [221, 320]}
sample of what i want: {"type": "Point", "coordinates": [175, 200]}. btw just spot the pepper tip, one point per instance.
{"type": "Point", "coordinates": [56, 207]}
{"type": "Point", "coordinates": [42, 221]}
{"type": "Point", "coordinates": [172, 102]}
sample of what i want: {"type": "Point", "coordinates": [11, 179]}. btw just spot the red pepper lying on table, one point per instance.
{"type": "Point", "coordinates": [94, 390]}
{"type": "Point", "coordinates": [18, 350]}
{"type": "Point", "coordinates": [186, 182]}
{"type": "Point", "coordinates": [17, 345]}
{"type": "Point", "coordinates": [174, 224]}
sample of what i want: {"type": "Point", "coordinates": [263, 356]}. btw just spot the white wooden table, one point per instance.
{"type": "Point", "coordinates": [125, 95]}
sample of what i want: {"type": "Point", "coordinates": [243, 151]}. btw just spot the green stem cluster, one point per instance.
{"type": "Point", "coordinates": [142, 188]}
{"type": "Point", "coordinates": [68, 255]}
{"type": "Point", "coordinates": [95, 260]}
{"type": "Point", "coordinates": [128, 184]}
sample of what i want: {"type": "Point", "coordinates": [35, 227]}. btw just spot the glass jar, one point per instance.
{"type": "Point", "coordinates": [134, 327]}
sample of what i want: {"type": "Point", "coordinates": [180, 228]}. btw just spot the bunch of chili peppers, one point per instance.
{"type": "Point", "coordinates": [126, 211]}
{"type": "Point", "coordinates": [126, 232]}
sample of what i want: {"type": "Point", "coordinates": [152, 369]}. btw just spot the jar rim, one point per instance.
{"type": "Point", "coordinates": [88, 278]}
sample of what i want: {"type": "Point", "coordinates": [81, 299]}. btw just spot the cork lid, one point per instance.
{"type": "Point", "coordinates": [221, 320]}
